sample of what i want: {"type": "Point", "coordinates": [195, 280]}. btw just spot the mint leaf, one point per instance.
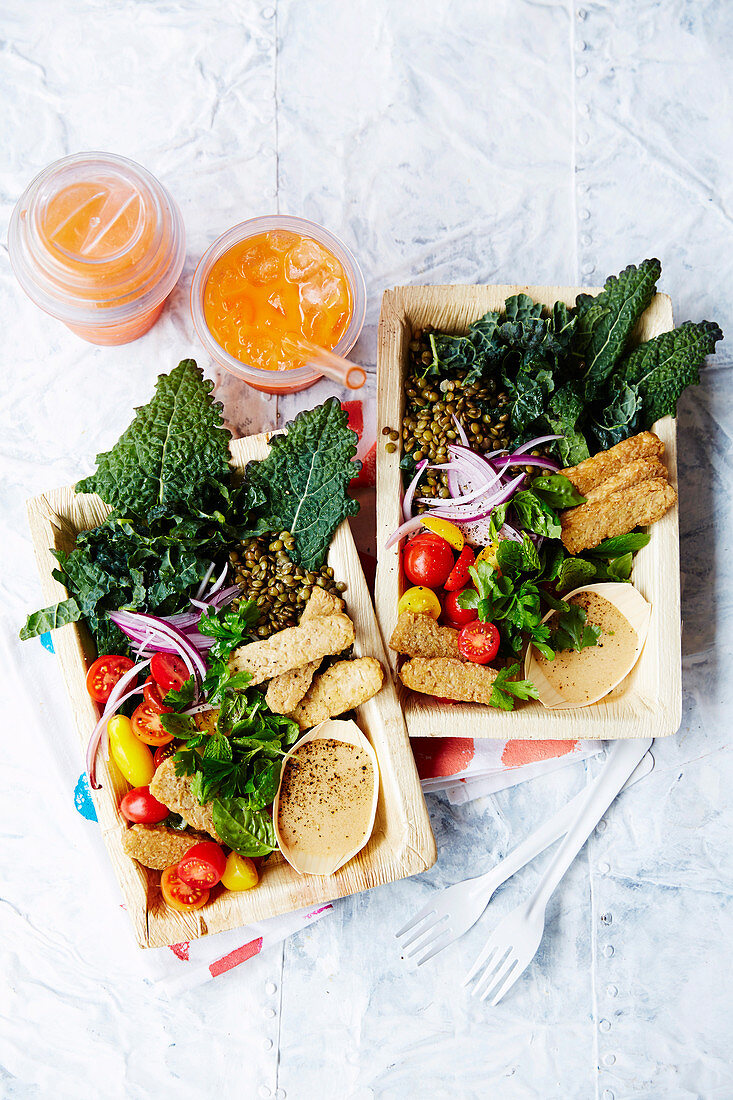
{"type": "Point", "coordinates": [175, 443]}
{"type": "Point", "coordinates": [504, 688]}
{"type": "Point", "coordinates": [305, 478]}
{"type": "Point", "coordinates": [557, 491]}
{"type": "Point", "coordinates": [574, 573]}
{"type": "Point", "coordinates": [514, 558]}
{"type": "Point", "coordinates": [247, 831]}
{"type": "Point", "coordinates": [660, 369]}
{"type": "Point", "coordinates": [604, 322]}
{"type": "Point", "coordinates": [534, 515]}
{"type": "Point", "coordinates": [51, 618]}
{"type": "Point", "coordinates": [572, 631]}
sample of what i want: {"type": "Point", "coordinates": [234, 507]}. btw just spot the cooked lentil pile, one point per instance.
{"type": "Point", "coordinates": [265, 572]}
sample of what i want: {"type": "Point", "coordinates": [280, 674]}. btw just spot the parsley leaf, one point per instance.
{"type": "Point", "coordinates": [504, 687]}
{"type": "Point", "coordinates": [572, 631]}
{"type": "Point", "coordinates": [182, 698]}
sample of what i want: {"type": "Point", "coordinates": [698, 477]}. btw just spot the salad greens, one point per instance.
{"type": "Point", "coordinates": [505, 689]}
{"type": "Point", "coordinates": [572, 631]}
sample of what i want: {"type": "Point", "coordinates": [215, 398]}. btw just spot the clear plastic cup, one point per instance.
{"type": "Point", "coordinates": [96, 241]}
{"type": "Point", "coordinates": [276, 381]}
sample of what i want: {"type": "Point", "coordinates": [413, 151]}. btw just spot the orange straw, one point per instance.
{"type": "Point", "coordinates": [332, 366]}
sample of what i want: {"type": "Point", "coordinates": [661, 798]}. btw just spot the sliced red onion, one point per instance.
{"type": "Point", "coordinates": [482, 506]}
{"type": "Point", "coordinates": [527, 460]}
{"type": "Point", "coordinates": [202, 587]}
{"type": "Point", "coordinates": [200, 708]}
{"type": "Point", "coordinates": [509, 532]}
{"type": "Point", "coordinates": [117, 697]}
{"type": "Point", "coordinates": [149, 630]}
{"type": "Point", "coordinates": [404, 529]}
{"type": "Point", "coordinates": [535, 443]}
{"type": "Point", "coordinates": [461, 430]}
{"type": "Point", "coordinates": [407, 502]}
{"type": "Point", "coordinates": [218, 582]}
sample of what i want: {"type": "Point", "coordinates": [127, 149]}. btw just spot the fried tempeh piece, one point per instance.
{"type": "Point", "coordinates": [285, 691]}
{"type": "Point", "coordinates": [293, 647]}
{"type": "Point", "coordinates": [589, 474]}
{"type": "Point", "coordinates": [346, 684]}
{"type": "Point", "coordinates": [156, 846]}
{"type": "Point", "coordinates": [420, 636]}
{"type": "Point", "coordinates": [449, 678]}
{"type": "Point", "coordinates": [175, 792]}
{"type": "Point", "coordinates": [641, 469]}
{"type": "Point", "coordinates": [589, 524]}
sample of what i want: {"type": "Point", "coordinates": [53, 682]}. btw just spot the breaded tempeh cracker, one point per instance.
{"type": "Point", "coordinates": [158, 847]}
{"type": "Point", "coordinates": [589, 474]}
{"type": "Point", "coordinates": [449, 678]}
{"type": "Point", "coordinates": [293, 647]}
{"type": "Point", "coordinates": [346, 684]}
{"type": "Point", "coordinates": [641, 469]}
{"type": "Point", "coordinates": [421, 636]}
{"type": "Point", "coordinates": [175, 792]}
{"type": "Point", "coordinates": [589, 524]}
{"type": "Point", "coordinates": [285, 691]}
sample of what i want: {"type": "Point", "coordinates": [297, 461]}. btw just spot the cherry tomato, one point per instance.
{"type": "Point", "coordinates": [445, 530]}
{"type": "Point", "coordinates": [479, 642]}
{"type": "Point", "coordinates": [455, 615]}
{"type": "Point", "coordinates": [140, 806]}
{"type": "Point", "coordinates": [489, 554]}
{"type": "Point", "coordinates": [154, 695]}
{"type": "Point", "coordinates": [104, 674]}
{"type": "Point", "coordinates": [459, 577]}
{"type": "Point", "coordinates": [427, 560]}
{"type": "Point", "coordinates": [147, 726]}
{"type": "Point", "coordinates": [203, 865]}
{"type": "Point", "coordinates": [421, 601]}
{"type": "Point", "coordinates": [134, 760]}
{"type": "Point", "coordinates": [178, 894]}
{"type": "Point", "coordinates": [240, 873]}
{"type": "Point", "coordinates": [169, 670]}
{"type": "Point", "coordinates": [162, 753]}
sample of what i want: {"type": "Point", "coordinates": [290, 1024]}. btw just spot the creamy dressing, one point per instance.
{"type": "Point", "coordinates": [326, 797]}
{"type": "Point", "coordinates": [582, 677]}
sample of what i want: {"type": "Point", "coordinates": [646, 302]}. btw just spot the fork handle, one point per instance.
{"type": "Point", "coordinates": [623, 758]}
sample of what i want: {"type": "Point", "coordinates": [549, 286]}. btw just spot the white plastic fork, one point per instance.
{"type": "Point", "coordinates": [516, 940]}
{"type": "Point", "coordinates": [451, 912]}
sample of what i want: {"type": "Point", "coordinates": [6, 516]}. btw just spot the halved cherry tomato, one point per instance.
{"type": "Point", "coordinates": [162, 753]}
{"type": "Point", "coordinates": [143, 808]}
{"type": "Point", "coordinates": [459, 577]}
{"type": "Point", "coordinates": [421, 601]}
{"type": "Point", "coordinates": [240, 873]}
{"type": "Point", "coordinates": [203, 865]}
{"type": "Point", "coordinates": [489, 554]}
{"type": "Point", "coordinates": [154, 695]}
{"type": "Point", "coordinates": [178, 894]}
{"type": "Point", "coordinates": [479, 642]}
{"type": "Point", "coordinates": [104, 674]}
{"type": "Point", "coordinates": [147, 726]}
{"type": "Point", "coordinates": [456, 615]}
{"type": "Point", "coordinates": [444, 529]}
{"type": "Point", "coordinates": [169, 670]}
{"type": "Point", "coordinates": [427, 560]}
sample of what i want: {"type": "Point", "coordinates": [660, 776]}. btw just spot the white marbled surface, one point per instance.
{"type": "Point", "coordinates": [478, 140]}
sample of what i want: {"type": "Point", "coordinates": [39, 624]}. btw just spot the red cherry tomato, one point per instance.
{"type": "Point", "coordinates": [455, 615]}
{"type": "Point", "coordinates": [203, 865]}
{"type": "Point", "coordinates": [162, 753]}
{"type": "Point", "coordinates": [104, 674]}
{"type": "Point", "coordinates": [427, 561]}
{"type": "Point", "coordinates": [479, 642]}
{"type": "Point", "coordinates": [147, 726]}
{"type": "Point", "coordinates": [178, 894]}
{"type": "Point", "coordinates": [169, 671]}
{"type": "Point", "coordinates": [459, 577]}
{"type": "Point", "coordinates": [154, 695]}
{"type": "Point", "coordinates": [141, 807]}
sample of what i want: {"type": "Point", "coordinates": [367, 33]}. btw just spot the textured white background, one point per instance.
{"type": "Point", "coordinates": [478, 140]}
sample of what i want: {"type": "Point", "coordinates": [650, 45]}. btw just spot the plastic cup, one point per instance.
{"type": "Point", "coordinates": [97, 242]}
{"type": "Point", "coordinates": [276, 381]}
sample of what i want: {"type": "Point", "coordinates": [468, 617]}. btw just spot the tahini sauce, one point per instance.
{"type": "Point", "coordinates": [580, 677]}
{"type": "Point", "coordinates": [326, 798]}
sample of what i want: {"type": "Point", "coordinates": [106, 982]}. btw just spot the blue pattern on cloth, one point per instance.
{"type": "Point", "coordinates": [47, 642]}
{"type": "Point", "coordinates": [83, 798]}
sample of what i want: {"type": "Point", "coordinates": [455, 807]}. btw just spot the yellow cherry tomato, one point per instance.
{"type": "Point", "coordinates": [488, 554]}
{"type": "Point", "coordinates": [445, 530]}
{"type": "Point", "coordinates": [240, 873]}
{"type": "Point", "coordinates": [421, 601]}
{"type": "Point", "coordinates": [134, 759]}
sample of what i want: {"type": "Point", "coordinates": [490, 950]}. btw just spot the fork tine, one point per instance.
{"type": "Point", "coordinates": [486, 952]}
{"type": "Point", "coordinates": [513, 975]}
{"type": "Point", "coordinates": [489, 975]}
{"type": "Point", "coordinates": [437, 948]}
{"type": "Point", "coordinates": [432, 933]}
{"type": "Point", "coordinates": [424, 912]}
{"type": "Point", "coordinates": [496, 985]}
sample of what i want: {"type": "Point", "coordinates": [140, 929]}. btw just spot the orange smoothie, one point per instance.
{"type": "Point", "coordinates": [271, 285]}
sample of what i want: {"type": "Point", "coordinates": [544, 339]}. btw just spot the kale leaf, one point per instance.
{"type": "Point", "coordinates": [562, 416]}
{"type": "Point", "coordinates": [660, 369]}
{"type": "Point", "coordinates": [51, 618]}
{"type": "Point", "coordinates": [618, 416]}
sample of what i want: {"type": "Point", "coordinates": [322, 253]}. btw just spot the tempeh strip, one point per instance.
{"type": "Point", "coordinates": [293, 647]}
{"type": "Point", "coordinates": [589, 524]}
{"type": "Point", "coordinates": [589, 474]}
{"type": "Point", "coordinates": [449, 678]}
{"type": "Point", "coordinates": [176, 792]}
{"type": "Point", "coordinates": [343, 686]}
{"type": "Point", "coordinates": [421, 636]}
{"type": "Point", "coordinates": [641, 469]}
{"type": "Point", "coordinates": [285, 691]}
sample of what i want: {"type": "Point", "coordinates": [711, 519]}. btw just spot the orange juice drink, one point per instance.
{"type": "Point", "coordinates": [98, 242]}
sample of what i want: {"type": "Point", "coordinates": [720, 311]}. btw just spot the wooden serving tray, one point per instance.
{"type": "Point", "coordinates": [649, 702]}
{"type": "Point", "coordinates": [402, 843]}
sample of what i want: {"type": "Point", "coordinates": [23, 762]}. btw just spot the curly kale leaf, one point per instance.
{"type": "Point", "coordinates": [660, 369]}
{"type": "Point", "coordinates": [618, 417]}
{"type": "Point", "coordinates": [175, 444]}
{"type": "Point", "coordinates": [604, 322]}
{"type": "Point", "coordinates": [305, 478]}
{"type": "Point", "coordinates": [51, 618]}
{"type": "Point", "coordinates": [563, 414]}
